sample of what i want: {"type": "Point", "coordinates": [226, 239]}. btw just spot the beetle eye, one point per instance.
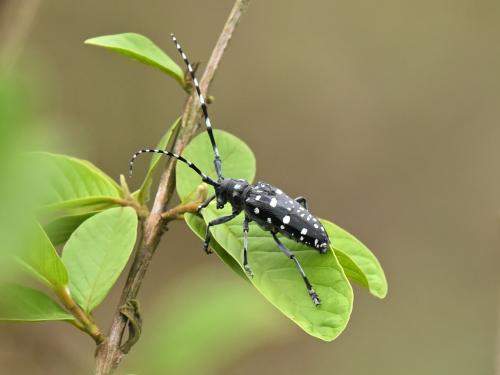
{"type": "Point", "coordinates": [220, 203]}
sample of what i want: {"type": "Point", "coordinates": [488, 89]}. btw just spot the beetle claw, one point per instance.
{"type": "Point", "coordinates": [315, 297]}
{"type": "Point", "coordinates": [248, 270]}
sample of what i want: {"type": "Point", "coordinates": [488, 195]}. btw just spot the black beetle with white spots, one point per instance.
{"type": "Point", "coordinates": [272, 209]}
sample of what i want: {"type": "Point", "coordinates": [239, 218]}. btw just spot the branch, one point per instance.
{"type": "Point", "coordinates": [176, 213]}
{"type": "Point", "coordinates": [109, 354]}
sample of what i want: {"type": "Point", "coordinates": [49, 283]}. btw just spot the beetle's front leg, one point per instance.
{"type": "Point", "coordinates": [219, 220]}
{"type": "Point", "coordinates": [205, 204]}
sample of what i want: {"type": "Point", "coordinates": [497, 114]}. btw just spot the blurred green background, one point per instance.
{"type": "Point", "coordinates": [385, 115]}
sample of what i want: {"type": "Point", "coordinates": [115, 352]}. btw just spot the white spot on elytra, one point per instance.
{"type": "Point", "coordinates": [314, 219]}
{"type": "Point", "coordinates": [286, 219]}
{"type": "Point", "coordinates": [302, 215]}
{"type": "Point", "coordinates": [322, 229]}
{"type": "Point", "coordinates": [316, 226]}
{"type": "Point", "coordinates": [269, 220]}
{"type": "Point", "coordinates": [273, 202]}
{"type": "Point", "coordinates": [257, 197]}
{"type": "Point", "coordinates": [282, 226]}
{"type": "Point", "coordinates": [237, 186]}
{"type": "Point", "coordinates": [303, 231]}
{"type": "Point", "coordinates": [256, 210]}
{"type": "Point", "coordinates": [315, 242]}
{"type": "Point", "coordinates": [247, 200]}
{"type": "Point", "coordinates": [289, 208]}
{"type": "Point", "coordinates": [309, 218]}
{"type": "Point", "coordinates": [278, 191]}
{"type": "Point", "coordinates": [301, 238]}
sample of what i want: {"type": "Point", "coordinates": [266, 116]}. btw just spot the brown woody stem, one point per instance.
{"type": "Point", "coordinates": [109, 354]}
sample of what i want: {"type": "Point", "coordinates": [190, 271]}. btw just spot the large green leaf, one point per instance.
{"type": "Point", "coordinates": [198, 226]}
{"type": "Point", "coordinates": [97, 252]}
{"type": "Point", "coordinates": [238, 161]}
{"type": "Point", "coordinates": [142, 49]}
{"type": "Point", "coordinates": [60, 229]}
{"type": "Point", "coordinates": [22, 304]}
{"type": "Point", "coordinates": [207, 321]}
{"type": "Point", "coordinates": [40, 258]}
{"type": "Point", "coordinates": [67, 182]}
{"type": "Point", "coordinates": [164, 144]}
{"type": "Point", "coordinates": [359, 262]}
{"type": "Point", "coordinates": [277, 278]}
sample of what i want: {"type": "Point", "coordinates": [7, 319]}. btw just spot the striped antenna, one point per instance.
{"type": "Point", "coordinates": [203, 176]}
{"type": "Point", "coordinates": [217, 161]}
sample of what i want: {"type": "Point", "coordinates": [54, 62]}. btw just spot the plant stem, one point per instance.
{"type": "Point", "coordinates": [177, 212]}
{"type": "Point", "coordinates": [83, 320]}
{"type": "Point", "coordinates": [109, 354]}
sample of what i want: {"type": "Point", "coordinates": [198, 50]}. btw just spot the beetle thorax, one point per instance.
{"type": "Point", "coordinates": [231, 191]}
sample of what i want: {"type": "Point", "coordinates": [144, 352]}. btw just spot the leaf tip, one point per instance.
{"type": "Point", "coordinates": [91, 41]}
{"type": "Point", "coordinates": [381, 292]}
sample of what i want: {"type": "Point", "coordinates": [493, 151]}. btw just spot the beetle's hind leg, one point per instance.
{"type": "Point", "coordinates": [247, 268]}
{"type": "Point", "coordinates": [219, 220]}
{"type": "Point", "coordinates": [302, 201]}
{"type": "Point", "coordinates": [288, 253]}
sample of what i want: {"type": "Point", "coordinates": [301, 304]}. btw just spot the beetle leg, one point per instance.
{"type": "Point", "coordinates": [219, 220]}
{"type": "Point", "coordinates": [247, 268]}
{"type": "Point", "coordinates": [205, 204]}
{"type": "Point", "coordinates": [288, 253]}
{"type": "Point", "coordinates": [301, 200]}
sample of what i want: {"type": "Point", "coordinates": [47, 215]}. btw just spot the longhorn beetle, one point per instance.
{"type": "Point", "coordinates": [272, 209]}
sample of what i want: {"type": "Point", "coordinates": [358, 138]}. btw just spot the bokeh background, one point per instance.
{"type": "Point", "coordinates": [385, 115]}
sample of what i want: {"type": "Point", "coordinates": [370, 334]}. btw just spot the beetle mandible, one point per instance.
{"type": "Point", "coordinates": [272, 209]}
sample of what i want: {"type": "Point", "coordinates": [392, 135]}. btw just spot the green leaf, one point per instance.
{"type": "Point", "coordinates": [275, 275]}
{"type": "Point", "coordinates": [164, 144]}
{"type": "Point", "coordinates": [68, 182]}
{"type": "Point", "coordinates": [142, 49]}
{"type": "Point", "coordinates": [198, 226]}
{"type": "Point", "coordinates": [277, 278]}
{"type": "Point", "coordinates": [208, 322]}
{"type": "Point", "coordinates": [21, 304]}
{"type": "Point", "coordinates": [359, 262]}
{"type": "Point", "coordinates": [238, 161]}
{"type": "Point", "coordinates": [40, 258]}
{"type": "Point", "coordinates": [60, 229]}
{"type": "Point", "coordinates": [97, 252]}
